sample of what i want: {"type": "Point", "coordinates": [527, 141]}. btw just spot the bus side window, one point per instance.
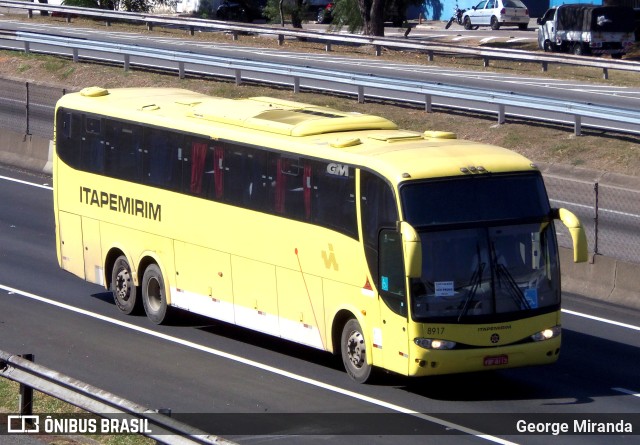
{"type": "Point", "coordinates": [92, 146]}
{"type": "Point", "coordinates": [237, 166]}
{"type": "Point", "coordinates": [123, 151]}
{"type": "Point", "coordinates": [199, 178]}
{"type": "Point", "coordinates": [165, 158]}
{"type": "Point", "coordinates": [289, 199]}
{"type": "Point", "coordinates": [261, 177]}
{"type": "Point", "coordinates": [333, 202]}
{"type": "Point", "coordinates": [68, 137]}
{"type": "Point", "coordinates": [378, 211]}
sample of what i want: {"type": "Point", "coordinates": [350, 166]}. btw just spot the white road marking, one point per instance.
{"type": "Point", "coordinates": [603, 320]}
{"type": "Point", "coordinates": [42, 186]}
{"type": "Point", "coordinates": [261, 366]}
{"type": "Point", "coordinates": [627, 391]}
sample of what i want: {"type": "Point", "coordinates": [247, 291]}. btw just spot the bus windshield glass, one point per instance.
{"type": "Point", "coordinates": [475, 199]}
{"type": "Point", "coordinates": [488, 249]}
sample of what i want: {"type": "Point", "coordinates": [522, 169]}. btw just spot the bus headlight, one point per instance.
{"type": "Point", "coordinates": [431, 343]}
{"type": "Point", "coordinates": [547, 334]}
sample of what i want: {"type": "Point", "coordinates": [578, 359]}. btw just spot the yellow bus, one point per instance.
{"type": "Point", "coordinates": [416, 253]}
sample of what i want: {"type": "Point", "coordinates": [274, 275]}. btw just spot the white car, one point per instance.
{"type": "Point", "coordinates": [497, 13]}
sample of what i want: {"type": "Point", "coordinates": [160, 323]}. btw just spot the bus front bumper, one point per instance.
{"type": "Point", "coordinates": [434, 362]}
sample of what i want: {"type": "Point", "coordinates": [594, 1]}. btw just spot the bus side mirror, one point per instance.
{"type": "Point", "coordinates": [412, 249]}
{"type": "Point", "coordinates": [578, 235]}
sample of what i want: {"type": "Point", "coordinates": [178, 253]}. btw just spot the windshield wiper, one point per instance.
{"type": "Point", "coordinates": [475, 282]}
{"type": "Point", "coordinates": [503, 275]}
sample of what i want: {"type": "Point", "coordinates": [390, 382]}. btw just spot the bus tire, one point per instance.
{"type": "Point", "coordinates": [154, 296]}
{"type": "Point", "coordinates": [354, 352]}
{"type": "Point", "coordinates": [125, 292]}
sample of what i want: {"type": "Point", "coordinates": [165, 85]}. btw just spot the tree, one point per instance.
{"type": "Point", "coordinates": [278, 10]}
{"type": "Point", "coordinates": [365, 16]}
{"type": "Point", "coordinates": [124, 5]}
{"type": "Point", "coordinates": [372, 14]}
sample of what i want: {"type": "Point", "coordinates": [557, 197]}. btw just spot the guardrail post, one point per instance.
{"type": "Point", "coordinates": [181, 70]}
{"type": "Point", "coordinates": [577, 129]}
{"type": "Point", "coordinates": [430, 56]}
{"type": "Point", "coordinates": [595, 219]}
{"type": "Point", "coordinates": [75, 55]}
{"type": "Point", "coordinates": [149, 26]}
{"type": "Point", "coordinates": [68, 18]}
{"type": "Point", "coordinates": [234, 36]}
{"type": "Point", "coordinates": [327, 47]}
{"type": "Point", "coordinates": [501, 118]}
{"type": "Point", "coordinates": [427, 103]}
{"type": "Point", "coordinates": [485, 62]}
{"type": "Point", "coordinates": [107, 23]}
{"type": "Point", "coordinates": [296, 85]}
{"type": "Point", "coordinates": [30, 13]}
{"type": "Point", "coordinates": [605, 73]}
{"type": "Point", "coordinates": [127, 60]}
{"type": "Point", "coordinates": [280, 39]}
{"type": "Point", "coordinates": [26, 47]}
{"type": "Point", "coordinates": [360, 94]}
{"type": "Point", "coordinates": [26, 393]}
{"type": "Point", "coordinates": [26, 107]}
{"type": "Point", "coordinates": [166, 412]}
{"type": "Point", "coordinates": [238, 77]}
{"type": "Point", "coordinates": [545, 66]}
{"type": "Point", "coordinates": [378, 50]}
{"type": "Point", "coordinates": [192, 30]}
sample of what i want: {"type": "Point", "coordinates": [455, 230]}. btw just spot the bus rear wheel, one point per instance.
{"type": "Point", "coordinates": [125, 292]}
{"type": "Point", "coordinates": [354, 352]}
{"type": "Point", "coordinates": [154, 297]}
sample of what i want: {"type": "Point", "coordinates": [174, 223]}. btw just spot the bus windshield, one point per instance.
{"type": "Point", "coordinates": [488, 249]}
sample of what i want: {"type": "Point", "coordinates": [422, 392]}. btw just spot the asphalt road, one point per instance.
{"type": "Point", "coordinates": [202, 366]}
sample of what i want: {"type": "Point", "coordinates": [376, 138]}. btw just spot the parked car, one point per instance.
{"type": "Point", "coordinates": [587, 29]}
{"type": "Point", "coordinates": [497, 13]}
{"type": "Point", "coordinates": [325, 15]}
{"type": "Point", "coordinates": [240, 10]}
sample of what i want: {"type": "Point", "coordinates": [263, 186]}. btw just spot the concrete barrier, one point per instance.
{"type": "Point", "coordinates": [604, 278]}
{"type": "Point", "coordinates": [25, 151]}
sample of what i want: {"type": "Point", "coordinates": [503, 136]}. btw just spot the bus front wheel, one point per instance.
{"type": "Point", "coordinates": [354, 352]}
{"type": "Point", "coordinates": [125, 293]}
{"type": "Point", "coordinates": [154, 297]}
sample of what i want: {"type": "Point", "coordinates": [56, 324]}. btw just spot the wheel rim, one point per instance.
{"type": "Point", "coordinates": [123, 288]}
{"type": "Point", "coordinates": [356, 349]}
{"type": "Point", "coordinates": [154, 294]}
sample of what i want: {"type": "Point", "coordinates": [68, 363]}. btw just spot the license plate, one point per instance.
{"type": "Point", "coordinates": [496, 360]}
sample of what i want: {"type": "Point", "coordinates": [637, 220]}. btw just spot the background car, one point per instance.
{"type": "Point", "coordinates": [240, 10]}
{"type": "Point", "coordinates": [325, 15]}
{"type": "Point", "coordinates": [497, 13]}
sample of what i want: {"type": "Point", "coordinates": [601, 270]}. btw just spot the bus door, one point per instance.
{"type": "Point", "coordinates": [383, 250]}
{"type": "Point", "coordinates": [393, 302]}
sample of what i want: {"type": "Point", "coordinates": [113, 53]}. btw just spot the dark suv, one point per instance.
{"type": "Point", "coordinates": [240, 10]}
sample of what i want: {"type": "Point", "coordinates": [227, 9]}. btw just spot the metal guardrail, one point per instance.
{"type": "Point", "coordinates": [429, 48]}
{"type": "Point", "coordinates": [235, 68]}
{"type": "Point", "coordinates": [95, 400]}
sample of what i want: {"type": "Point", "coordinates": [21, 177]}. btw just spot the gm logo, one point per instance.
{"type": "Point", "coordinates": [338, 169]}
